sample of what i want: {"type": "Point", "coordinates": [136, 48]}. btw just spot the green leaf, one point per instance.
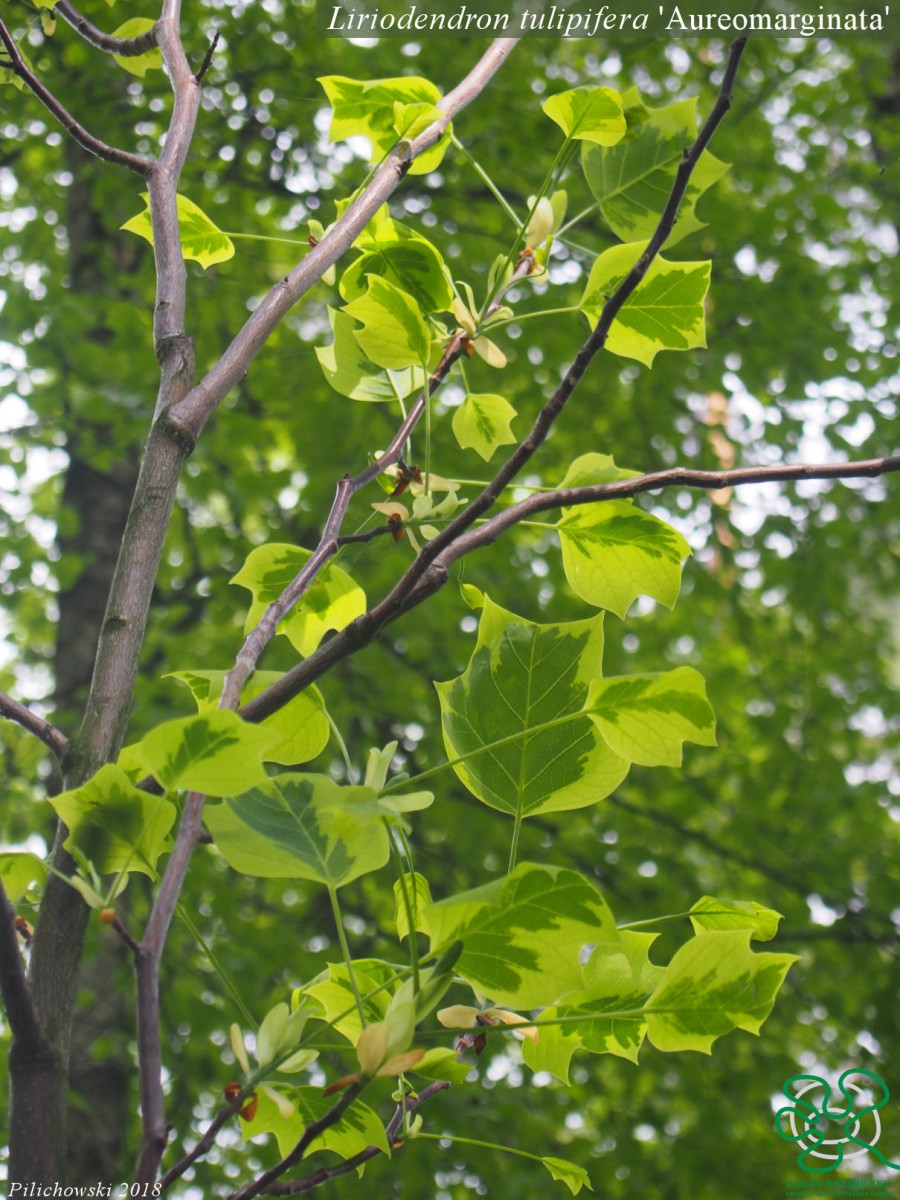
{"type": "Point", "coordinates": [553, 1050]}
{"type": "Point", "coordinates": [664, 312]}
{"type": "Point", "coordinates": [371, 110]}
{"type": "Point", "coordinates": [301, 726]}
{"type": "Point", "coordinates": [142, 63]}
{"type": "Point", "coordinates": [482, 423]}
{"type": "Point", "coordinates": [350, 372]}
{"type": "Point", "coordinates": [592, 468]}
{"type": "Point", "coordinates": [614, 552]}
{"type": "Point", "coordinates": [419, 897]}
{"type": "Point", "coordinates": [441, 1063]}
{"type": "Point", "coordinates": [393, 334]}
{"type": "Point", "coordinates": [333, 990]}
{"type": "Point", "coordinates": [20, 872]}
{"type": "Point", "coordinates": [332, 602]}
{"type": "Point", "coordinates": [647, 718]}
{"type": "Point", "coordinates": [632, 179]}
{"type": "Point", "coordinates": [711, 912]}
{"type": "Point", "coordinates": [569, 1173]}
{"type": "Point", "coordinates": [214, 752]}
{"type": "Point", "coordinates": [588, 114]}
{"type": "Point", "coordinates": [113, 825]}
{"type": "Point", "coordinates": [301, 827]}
{"type": "Point", "coordinates": [523, 935]}
{"type": "Point", "coordinates": [714, 984]}
{"type": "Point", "coordinates": [405, 259]}
{"type": "Point", "coordinates": [358, 1127]}
{"type": "Point", "coordinates": [520, 679]}
{"type": "Point", "coordinates": [201, 240]}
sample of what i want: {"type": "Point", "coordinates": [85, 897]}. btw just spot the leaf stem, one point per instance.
{"type": "Point", "coordinates": [486, 180]}
{"type": "Point", "coordinates": [217, 967]}
{"type": "Point", "coordinates": [407, 906]}
{"type": "Point", "coordinates": [345, 951]}
{"type": "Point", "coordinates": [514, 845]}
{"type": "Point", "coordinates": [464, 1141]}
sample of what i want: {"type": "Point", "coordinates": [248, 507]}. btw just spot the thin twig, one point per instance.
{"type": "Point", "coordinates": [207, 58]}
{"type": "Point", "coordinates": [392, 1130]}
{"type": "Point", "coordinates": [111, 154]}
{"type": "Point", "coordinates": [313, 1130]}
{"type": "Point", "coordinates": [207, 1141]}
{"type": "Point", "coordinates": [330, 541]}
{"type": "Point", "coordinates": [123, 47]}
{"type": "Point", "coordinates": [21, 1015]}
{"type": "Point", "coordinates": [52, 738]}
{"type": "Point", "coordinates": [365, 629]}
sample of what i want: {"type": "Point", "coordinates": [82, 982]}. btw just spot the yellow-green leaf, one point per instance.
{"type": "Point", "coordinates": [589, 114]}
{"type": "Point", "coordinates": [482, 423]}
{"type": "Point", "coordinates": [138, 64]}
{"type": "Point", "coordinates": [201, 240]}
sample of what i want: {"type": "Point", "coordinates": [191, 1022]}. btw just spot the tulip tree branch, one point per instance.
{"type": "Point", "coordinates": [312, 1131]}
{"type": "Point", "coordinates": [52, 738]}
{"type": "Point", "coordinates": [18, 1003]}
{"type": "Point", "coordinates": [197, 406]}
{"type": "Point", "coordinates": [124, 47]}
{"type": "Point", "coordinates": [393, 1130]}
{"type": "Point", "coordinates": [110, 154]}
{"type": "Point", "coordinates": [330, 541]}
{"type": "Point", "coordinates": [365, 629]}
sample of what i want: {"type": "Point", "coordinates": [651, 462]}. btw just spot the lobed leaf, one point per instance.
{"type": "Point", "coordinates": [710, 912]}
{"type": "Point", "coordinates": [201, 240]}
{"type": "Point", "coordinates": [523, 935]}
{"type": "Point", "coordinates": [647, 718]}
{"type": "Point", "coordinates": [138, 64]}
{"type": "Point", "coordinates": [113, 825]}
{"type": "Point", "coordinates": [351, 372]}
{"type": "Point", "coordinates": [482, 423]}
{"type": "Point", "coordinates": [214, 752]}
{"type": "Point", "coordinates": [614, 552]}
{"type": "Point", "coordinates": [664, 312]}
{"type": "Point", "coordinates": [632, 179]}
{"type": "Point", "coordinates": [301, 826]}
{"type": "Point", "coordinates": [332, 601]}
{"type": "Point", "coordinates": [510, 711]}
{"type": "Point", "coordinates": [714, 984]}
{"type": "Point", "coordinates": [588, 114]}
{"type": "Point", "coordinates": [393, 333]}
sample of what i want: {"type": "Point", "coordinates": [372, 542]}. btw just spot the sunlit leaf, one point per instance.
{"type": "Point", "coordinates": [632, 179]}
{"type": "Point", "coordinates": [301, 726]}
{"type": "Point", "coordinates": [523, 935]}
{"type": "Point", "coordinates": [574, 1177]}
{"type": "Point", "coordinates": [301, 827]}
{"type": "Point", "coordinates": [331, 602]}
{"type": "Point", "coordinates": [113, 825]}
{"type": "Point", "coordinates": [614, 552]}
{"type": "Point", "coordinates": [589, 114]}
{"type": "Point", "coordinates": [482, 423]}
{"type": "Point", "coordinates": [138, 64]}
{"type": "Point", "coordinates": [350, 372]}
{"type": "Point", "coordinates": [664, 312]}
{"type": "Point", "coordinates": [393, 333]}
{"type": "Point", "coordinates": [201, 239]}
{"type": "Point", "coordinates": [647, 718]}
{"type": "Point", "coordinates": [507, 713]}
{"type": "Point", "coordinates": [714, 984]}
{"type": "Point", "coordinates": [369, 109]}
{"type": "Point", "coordinates": [214, 752]}
{"type": "Point", "coordinates": [711, 912]}
{"type": "Point", "coordinates": [19, 872]}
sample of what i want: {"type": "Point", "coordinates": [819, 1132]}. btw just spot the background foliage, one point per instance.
{"type": "Point", "coordinates": [788, 607]}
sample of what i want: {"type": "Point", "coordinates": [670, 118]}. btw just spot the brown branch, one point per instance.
{"type": "Point", "coordinates": [194, 410]}
{"type": "Point", "coordinates": [207, 57]}
{"type": "Point", "coordinates": [124, 47]}
{"type": "Point", "coordinates": [365, 629]}
{"type": "Point", "coordinates": [392, 1130]}
{"type": "Point", "coordinates": [21, 1015]}
{"type": "Point", "coordinates": [207, 1141]}
{"type": "Point", "coordinates": [52, 738]}
{"type": "Point", "coordinates": [110, 154]}
{"type": "Point", "coordinates": [330, 541]}
{"type": "Point", "coordinates": [313, 1130]}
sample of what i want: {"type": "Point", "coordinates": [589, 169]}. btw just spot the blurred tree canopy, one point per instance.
{"type": "Point", "coordinates": [788, 607]}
